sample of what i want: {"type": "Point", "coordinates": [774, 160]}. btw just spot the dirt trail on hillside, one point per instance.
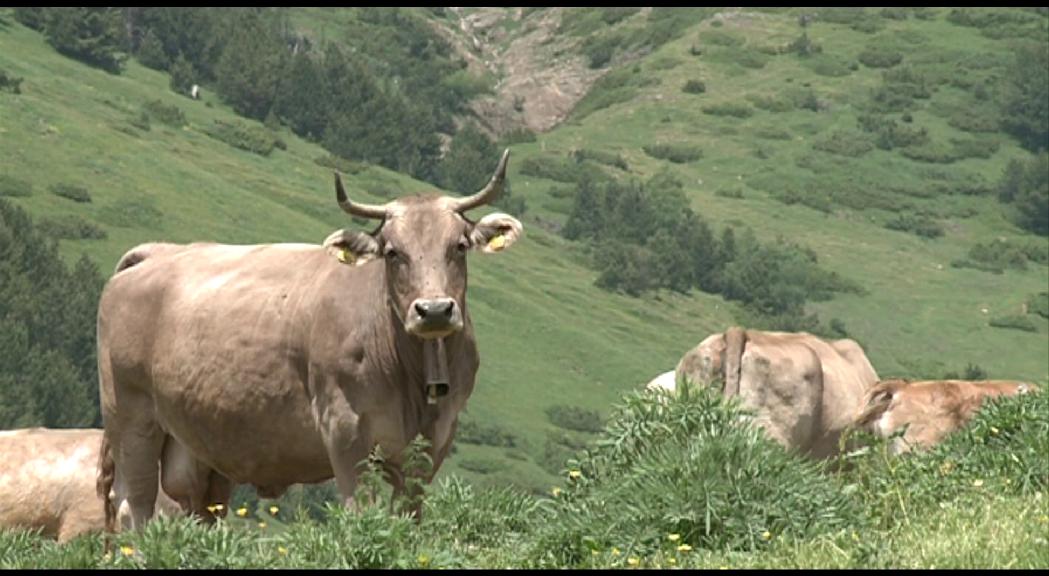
{"type": "Point", "coordinates": [541, 76]}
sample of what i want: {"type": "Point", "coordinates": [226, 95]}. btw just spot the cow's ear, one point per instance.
{"type": "Point", "coordinates": [495, 232]}
{"type": "Point", "coordinates": [351, 247]}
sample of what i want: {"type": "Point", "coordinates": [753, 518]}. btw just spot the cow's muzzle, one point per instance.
{"type": "Point", "coordinates": [434, 318]}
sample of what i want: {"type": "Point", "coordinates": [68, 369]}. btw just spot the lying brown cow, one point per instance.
{"type": "Point", "coordinates": [47, 481]}
{"type": "Point", "coordinates": [802, 390]}
{"type": "Point", "coordinates": [930, 409]}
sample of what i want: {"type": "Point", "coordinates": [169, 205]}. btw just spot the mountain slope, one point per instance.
{"type": "Point", "coordinates": [767, 157]}
{"type": "Point", "coordinates": [547, 336]}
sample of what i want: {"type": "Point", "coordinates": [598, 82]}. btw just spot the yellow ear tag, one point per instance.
{"type": "Point", "coordinates": [345, 256]}
{"type": "Point", "coordinates": [497, 243]}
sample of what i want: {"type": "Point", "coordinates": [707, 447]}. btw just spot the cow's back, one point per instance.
{"type": "Point", "coordinates": [47, 481]}
{"type": "Point", "coordinates": [703, 364]}
{"type": "Point", "coordinates": [853, 353]}
{"type": "Point", "coordinates": [847, 376]}
{"type": "Point", "coordinates": [803, 389]}
{"type": "Point", "coordinates": [782, 381]}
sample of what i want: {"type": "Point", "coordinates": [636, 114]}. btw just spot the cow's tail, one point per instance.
{"type": "Point", "coordinates": [876, 402]}
{"type": "Point", "coordinates": [735, 340]}
{"type": "Point", "coordinates": [139, 253]}
{"type": "Point", "coordinates": [105, 476]}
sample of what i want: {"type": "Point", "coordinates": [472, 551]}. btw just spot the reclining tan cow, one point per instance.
{"type": "Point", "coordinates": [803, 390]}
{"type": "Point", "coordinates": [47, 481]}
{"type": "Point", "coordinates": [928, 409]}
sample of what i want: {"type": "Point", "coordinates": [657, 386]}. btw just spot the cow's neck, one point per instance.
{"type": "Point", "coordinates": [410, 358]}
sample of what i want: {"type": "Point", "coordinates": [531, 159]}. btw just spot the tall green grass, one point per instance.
{"type": "Point", "coordinates": [672, 481]}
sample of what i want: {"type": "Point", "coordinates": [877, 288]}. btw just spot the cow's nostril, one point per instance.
{"type": "Point", "coordinates": [442, 308]}
{"type": "Point", "coordinates": [435, 310]}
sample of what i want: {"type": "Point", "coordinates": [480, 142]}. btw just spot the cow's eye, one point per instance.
{"type": "Point", "coordinates": [392, 255]}
{"type": "Point", "coordinates": [463, 246]}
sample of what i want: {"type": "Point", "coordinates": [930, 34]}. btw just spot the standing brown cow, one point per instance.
{"type": "Point", "coordinates": [279, 364]}
{"type": "Point", "coordinates": [929, 409]}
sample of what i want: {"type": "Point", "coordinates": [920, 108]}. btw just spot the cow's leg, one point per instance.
{"type": "Point", "coordinates": [219, 491]}
{"type": "Point", "coordinates": [346, 452]}
{"type": "Point", "coordinates": [410, 483]}
{"type": "Point", "coordinates": [442, 445]}
{"type": "Point", "coordinates": [395, 476]}
{"type": "Point", "coordinates": [137, 455]}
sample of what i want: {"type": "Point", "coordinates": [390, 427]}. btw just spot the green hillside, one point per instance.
{"type": "Point", "coordinates": [546, 335]}
{"type": "Point", "coordinates": [773, 127]}
{"type": "Point", "coordinates": [921, 316]}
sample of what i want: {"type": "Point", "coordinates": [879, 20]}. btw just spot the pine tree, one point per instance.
{"type": "Point", "coordinates": [151, 52]}
{"type": "Point", "coordinates": [586, 220]}
{"type": "Point", "coordinates": [183, 76]}
{"type": "Point", "coordinates": [251, 64]}
{"type": "Point", "coordinates": [1032, 198]}
{"type": "Point", "coordinates": [1025, 109]}
{"type": "Point", "coordinates": [91, 35]}
{"type": "Point", "coordinates": [301, 99]}
{"type": "Point", "coordinates": [48, 370]}
{"type": "Point", "coordinates": [199, 34]}
{"type": "Point", "coordinates": [61, 399]}
{"type": "Point", "coordinates": [470, 161]}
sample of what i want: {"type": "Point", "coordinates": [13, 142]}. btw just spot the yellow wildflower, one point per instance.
{"type": "Point", "coordinates": [593, 552]}
{"type": "Point", "coordinates": [127, 550]}
{"type": "Point", "coordinates": [671, 561]}
{"type": "Point", "coordinates": [684, 548]}
{"type": "Point", "coordinates": [994, 430]}
{"type": "Point", "coordinates": [215, 508]}
{"type": "Point", "coordinates": [977, 483]}
{"type": "Point", "coordinates": [574, 474]}
{"type": "Point", "coordinates": [673, 537]}
{"type": "Point", "coordinates": [1044, 519]}
{"type": "Point", "coordinates": [274, 510]}
{"type": "Point", "coordinates": [555, 491]}
{"type": "Point", "coordinates": [262, 524]}
{"type": "Point", "coordinates": [633, 561]}
{"type": "Point", "coordinates": [282, 550]}
{"type": "Point", "coordinates": [615, 551]}
{"type": "Point", "coordinates": [424, 560]}
{"type": "Point", "coordinates": [855, 536]}
{"type": "Point", "coordinates": [766, 535]}
{"type": "Point", "coordinates": [242, 511]}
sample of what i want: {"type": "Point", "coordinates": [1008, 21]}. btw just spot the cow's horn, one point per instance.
{"type": "Point", "coordinates": [357, 208]}
{"type": "Point", "coordinates": [490, 192]}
